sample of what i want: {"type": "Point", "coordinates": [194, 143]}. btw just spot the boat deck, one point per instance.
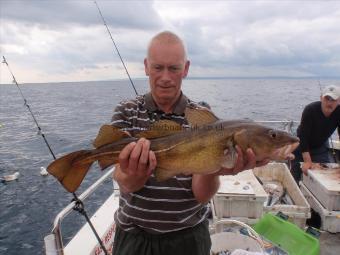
{"type": "Point", "coordinates": [329, 243]}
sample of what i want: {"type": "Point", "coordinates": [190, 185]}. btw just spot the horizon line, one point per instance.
{"type": "Point", "coordinates": [194, 78]}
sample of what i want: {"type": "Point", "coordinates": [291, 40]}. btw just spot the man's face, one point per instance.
{"type": "Point", "coordinates": [328, 105]}
{"type": "Point", "coordinates": [166, 67]}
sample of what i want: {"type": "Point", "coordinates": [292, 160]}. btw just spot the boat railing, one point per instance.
{"type": "Point", "coordinates": [53, 242]}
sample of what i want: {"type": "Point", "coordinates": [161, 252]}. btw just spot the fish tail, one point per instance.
{"type": "Point", "coordinates": [70, 174]}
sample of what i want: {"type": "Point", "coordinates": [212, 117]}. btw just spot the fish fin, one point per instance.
{"type": "Point", "coordinates": [69, 175]}
{"type": "Point", "coordinates": [230, 154]}
{"type": "Point", "coordinates": [160, 128]}
{"type": "Point", "coordinates": [106, 162]}
{"type": "Point", "coordinates": [109, 134]}
{"type": "Point", "coordinates": [163, 174]}
{"type": "Point", "coordinates": [230, 157]}
{"type": "Point", "coordinates": [200, 116]}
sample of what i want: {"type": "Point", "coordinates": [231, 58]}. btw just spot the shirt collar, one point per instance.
{"type": "Point", "coordinates": [179, 108]}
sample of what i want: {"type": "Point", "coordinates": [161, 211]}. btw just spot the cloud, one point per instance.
{"type": "Point", "coordinates": [57, 40]}
{"type": "Point", "coordinates": [66, 37]}
{"type": "Point", "coordinates": [54, 14]}
{"type": "Point", "coordinates": [267, 35]}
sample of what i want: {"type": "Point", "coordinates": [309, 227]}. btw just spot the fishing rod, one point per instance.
{"type": "Point", "coordinates": [79, 206]}
{"type": "Point", "coordinates": [320, 87]}
{"type": "Point", "coordinates": [29, 108]}
{"type": "Point", "coordinates": [121, 59]}
{"type": "Point", "coordinates": [133, 86]}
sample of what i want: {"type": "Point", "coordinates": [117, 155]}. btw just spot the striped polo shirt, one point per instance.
{"type": "Point", "coordinates": [159, 207]}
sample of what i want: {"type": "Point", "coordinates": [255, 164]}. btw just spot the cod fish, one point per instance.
{"type": "Point", "coordinates": [200, 150]}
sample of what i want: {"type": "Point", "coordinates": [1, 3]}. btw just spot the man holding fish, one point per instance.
{"type": "Point", "coordinates": [170, 153]}
{"type": "Point", "coordinates": [168, 217]}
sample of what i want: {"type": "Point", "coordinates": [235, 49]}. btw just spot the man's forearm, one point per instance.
{"type": "Point", "coordinates": [307, 162]}
{"type": "Point", "coordinates": [306, 157]}
{"type": "Point", "coordinates": [204, 187]}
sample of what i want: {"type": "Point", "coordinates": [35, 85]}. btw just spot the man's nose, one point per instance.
{"type": "Point", "coordinates": [165, 75]}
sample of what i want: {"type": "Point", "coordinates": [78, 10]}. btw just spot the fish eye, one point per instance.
{"type": "Point", "coordinates": [272, 133]}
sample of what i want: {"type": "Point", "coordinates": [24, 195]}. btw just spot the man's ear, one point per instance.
{"type": "Point", "coordinates": [146, 67]}
{"type": "Point", "coordinates": [186, 68]}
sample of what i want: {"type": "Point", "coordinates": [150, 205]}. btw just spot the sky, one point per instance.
{"type": "Point", "coordinates": [65, 41]}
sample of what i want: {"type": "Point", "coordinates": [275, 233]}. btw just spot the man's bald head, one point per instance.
{"type": "Point", "coordinates": [167, 38]}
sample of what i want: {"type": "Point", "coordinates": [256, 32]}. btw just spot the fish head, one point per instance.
{"type": "Point", "coordinates": [267, 143]}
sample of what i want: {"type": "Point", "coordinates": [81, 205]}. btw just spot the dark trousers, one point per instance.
{"type": "Point", "coordinates": [194, 240]}
{"type": "Point", "coordinates": [319, 155]}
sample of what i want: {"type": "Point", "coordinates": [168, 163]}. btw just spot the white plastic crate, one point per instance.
{"type": "Point", "coordinates": [330, 220]}
{"type": "Point", "coordinates": [325, 186]}
{"type": "Point", "coordinates": [246, 220]}
{"type": "Point", "coordinates": [297, 213]}
{"type": "Point", "coordinates": [232, 201]}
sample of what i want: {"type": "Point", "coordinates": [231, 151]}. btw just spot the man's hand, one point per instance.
{"type": "Point", "coordinates": [243, 162]}
{"type": "Point", "coordinates": [306, 166]}
{"type": "Point", "coordinates": [310, 166]}
{"type": "Point", "coordinates": [136, 163]}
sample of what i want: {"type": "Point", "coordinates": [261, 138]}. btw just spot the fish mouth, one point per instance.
{"type": "Point", "coordinates": [285, 152]}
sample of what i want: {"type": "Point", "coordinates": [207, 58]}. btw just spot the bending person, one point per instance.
{"type": "Point", "coordinates": [318, 122]}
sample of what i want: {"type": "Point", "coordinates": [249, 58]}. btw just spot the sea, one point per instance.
{"type": "Point", "coordinates": [70, 115]}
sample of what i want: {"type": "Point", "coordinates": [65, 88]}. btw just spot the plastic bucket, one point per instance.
{"type": "Point", "coordinates": [230, 241]}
